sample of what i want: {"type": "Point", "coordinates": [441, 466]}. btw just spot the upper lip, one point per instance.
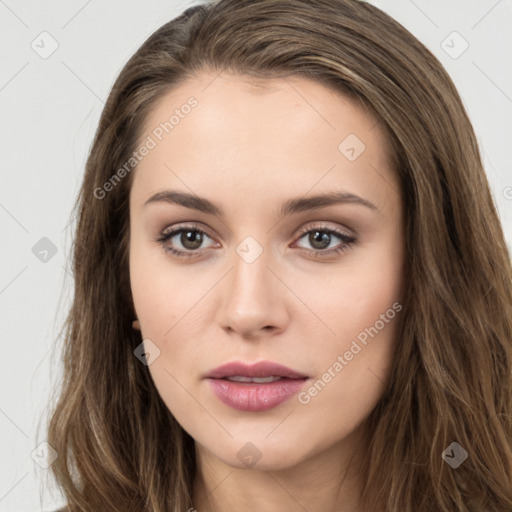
{"type": "Point", "coordinates": [260, 369]}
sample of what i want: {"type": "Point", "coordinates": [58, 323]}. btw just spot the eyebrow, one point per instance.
{"type": "Point", "coordinates": [291, 206]}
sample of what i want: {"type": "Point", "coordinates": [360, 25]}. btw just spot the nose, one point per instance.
{"type": "Point", "coordinates": [253, 299]}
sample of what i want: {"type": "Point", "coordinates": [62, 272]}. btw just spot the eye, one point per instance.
{"type": "Point", "coordinates": [190, 238]}
{"type": "Point", "coordinates": [321, 240]}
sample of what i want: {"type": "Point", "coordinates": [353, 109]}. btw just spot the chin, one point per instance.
{"type": "Point", "coordinates": [260, 455]}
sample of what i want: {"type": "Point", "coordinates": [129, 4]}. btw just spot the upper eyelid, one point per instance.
{"type": "Point", "coordinates": [325, 227]}
{"type": "Point", "coordinates": [191, 226]}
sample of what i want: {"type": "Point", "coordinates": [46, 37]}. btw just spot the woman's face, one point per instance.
{"type": "Point", "coordinates": [292, 254]}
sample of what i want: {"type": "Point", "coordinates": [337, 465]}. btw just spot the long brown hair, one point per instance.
{"type": "Point", "coordinates": [120, 449]}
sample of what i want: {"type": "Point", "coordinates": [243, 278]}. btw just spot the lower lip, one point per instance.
{"type": "Point", "coordinates": [255, 397]}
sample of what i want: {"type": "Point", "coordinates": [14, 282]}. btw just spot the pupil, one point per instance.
{"type": "Point", "coordinates": [191, 239]}
{"type": "Point", "coordinates": [320, 237]}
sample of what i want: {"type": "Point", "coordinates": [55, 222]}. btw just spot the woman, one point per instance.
{"type": "Point", "coordinates": [292, 289]}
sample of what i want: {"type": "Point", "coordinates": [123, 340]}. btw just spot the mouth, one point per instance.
{"type": "Point", "coordinates": [258, 387]}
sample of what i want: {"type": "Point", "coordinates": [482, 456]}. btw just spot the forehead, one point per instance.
{"type": "Point", "coordinates": [244, 98]}
{"type": "Point", "coordinates": [260, 135]}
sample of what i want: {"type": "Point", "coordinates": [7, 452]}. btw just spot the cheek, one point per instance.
{"type": "Point", "coordinates": [362, 308]}
{"type": "Point", "coordinates": [355, 301]}
{"type": "Point", "coordinates": [167, 300]}
{"type": "Point", "coordinates": [352, 368]}
{"type": "Point", "coordinates": [163, 293]}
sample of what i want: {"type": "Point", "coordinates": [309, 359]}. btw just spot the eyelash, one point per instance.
{"type": "Point", "coordinates": [347, 241]}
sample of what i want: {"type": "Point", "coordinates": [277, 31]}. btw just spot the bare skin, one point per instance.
{"type": "Point", "coordinates": [248, 150]}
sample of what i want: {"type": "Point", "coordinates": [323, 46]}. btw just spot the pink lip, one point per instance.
{"type": "Point", "coordinates": [260, 369]}
{"type": "Point", "coordinates": [250, 396]}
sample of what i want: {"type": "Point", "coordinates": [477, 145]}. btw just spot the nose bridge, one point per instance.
{"type": "Point", "coordinates": [250, 275]}
{"type": "Point", "coordinates": [251, 298]}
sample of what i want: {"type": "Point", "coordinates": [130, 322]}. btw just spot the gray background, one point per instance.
{"type": "Point", "coordinates": [50, 107]}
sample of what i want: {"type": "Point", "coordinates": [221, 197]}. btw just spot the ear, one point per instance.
{"type": "Point", "coordinates": [136, 325]}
